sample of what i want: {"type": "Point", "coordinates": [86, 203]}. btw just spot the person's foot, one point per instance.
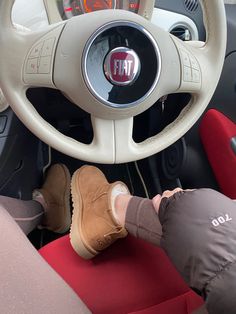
{"type": "Point", "coordinates": [54, 196]}
{"type": "Point", "coordinates": [94, 226]}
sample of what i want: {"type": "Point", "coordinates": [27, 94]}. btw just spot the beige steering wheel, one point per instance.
{"type": "Point", "coordinates": [99, 61]}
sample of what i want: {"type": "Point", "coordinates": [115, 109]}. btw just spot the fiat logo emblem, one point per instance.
{"type": "Point", "coordinates": [122, 66]}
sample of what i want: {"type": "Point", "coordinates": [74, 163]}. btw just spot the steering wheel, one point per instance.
{"type": "Point", "coordinates": [114, 64]}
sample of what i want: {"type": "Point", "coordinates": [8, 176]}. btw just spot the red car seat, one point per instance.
{"type": "Point", "coordinates": [130, 277]}
{"type": "Point", "coordinates": [218, 135]}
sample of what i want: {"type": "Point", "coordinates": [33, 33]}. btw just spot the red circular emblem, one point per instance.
{"type": "Point", "coordinates": [122, 66]}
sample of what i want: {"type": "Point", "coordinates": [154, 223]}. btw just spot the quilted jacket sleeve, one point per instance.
{"type": "Point", "coordinates": [199, 236]}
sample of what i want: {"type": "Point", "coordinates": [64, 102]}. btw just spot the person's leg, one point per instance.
{"type": "Point", "coordinates": [50, 207]}
{"type": "Point", "coordinates": [27, 214]}
{"type": "Point", "coordinates": [140, 219]}
{"type": "Point", "coordinates": [198, 236]}
{"type": "Point", "coordinates": [93, 226]}
{"type": "Point", "coordinates": [28, 284]}
{"type": "Point", "coordinates": [104, 212]}
{"type": "Point", "coordinates": [139, 215]}
{"type": "Point", "coordinates": [54, 196]}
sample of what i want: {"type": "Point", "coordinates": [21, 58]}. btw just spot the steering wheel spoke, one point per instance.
{"type": "Point", "coordinates": [113, 139]}
{"type": "Point", "coordinates": [124, 143]}
{"type": "Point", "coordinates": [103, 143]}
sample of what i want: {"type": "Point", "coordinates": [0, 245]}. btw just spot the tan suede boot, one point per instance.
{"type": "Point", "coordinates": [55, 198]}
{"type": "Point", "coordinates": [93, 227]}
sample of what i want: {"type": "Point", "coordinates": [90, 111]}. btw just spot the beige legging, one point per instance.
{"type": "Point", "coordinates": [28, 285]}
{"type": "Point", "coordinates": [27, 214]}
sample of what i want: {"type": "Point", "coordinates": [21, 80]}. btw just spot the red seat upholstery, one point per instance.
{"type": "Point", "coordinates": [216, 132]}
{"type": "Point", "coordinates": [130, 277]}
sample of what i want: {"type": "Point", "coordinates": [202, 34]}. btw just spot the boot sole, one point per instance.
{"type": "Point", "coordinates": [76, 236]}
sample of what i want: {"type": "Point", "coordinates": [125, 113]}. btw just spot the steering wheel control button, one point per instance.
{"type": "Point", "coordinates": [38, 63]}
{"type": "Point", "coordinates": [194, 63]}
{"type": "Point", "coordinates": [196, 76]}
{"type": "Point", "coordinates": [185, 58]}
{"type": "Point", "coordinates": [122, 66]}
{"type": "Point", "coordinates": [32, 66]}
{"type": "Point", "coordinates": [36, 50]}
{"type": "Point", "coordinates": [45, 65]}
{"type": "Point", "coordinates": [191, 73]}
{"type": "Point", "coordinates": [187, 74]}
{"type": "Point", "coordinates": [48, 47]}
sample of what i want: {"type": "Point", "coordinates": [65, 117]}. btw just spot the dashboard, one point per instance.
{"type": "Point", "coordinates": [70, 8]}
{"type": "Point", "coordinates": [179, 15]}
{"type": "Point", "coordinates": [168, 14]}
{"type": "Point", "coordinates": [65, 9]}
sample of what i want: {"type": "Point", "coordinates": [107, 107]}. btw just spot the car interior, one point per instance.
{"type": "Point", "coordinates": [172, 125]}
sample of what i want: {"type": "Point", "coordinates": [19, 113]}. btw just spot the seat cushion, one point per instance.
{"type": "Point", "coordinates": [130, 277]}
{"type": "Point", "coordinates": [216, 132]}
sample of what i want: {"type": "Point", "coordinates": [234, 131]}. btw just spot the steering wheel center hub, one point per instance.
{"type": "Point", "coordinates": [121, 64]}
